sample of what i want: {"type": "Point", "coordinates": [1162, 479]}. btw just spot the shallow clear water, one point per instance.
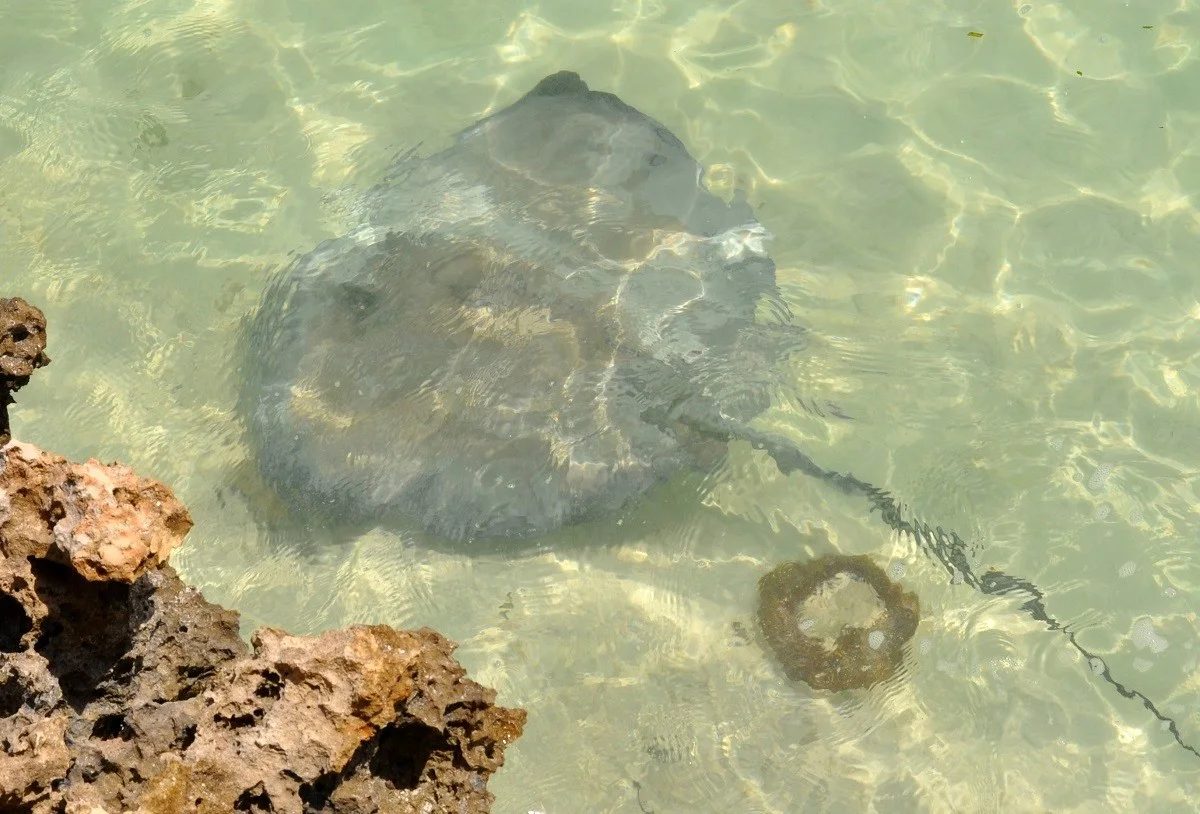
{"type": "Point", "coordinates": [995, 239]}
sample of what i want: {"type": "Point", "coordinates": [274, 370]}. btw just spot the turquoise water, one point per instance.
{"type": "Point", "coordinates": [995, 239]}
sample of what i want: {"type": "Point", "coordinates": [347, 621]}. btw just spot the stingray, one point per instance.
{"type": "Point", "coordinates": [523, 331]}
{"type": "Point", "coordinates": [532, 328]}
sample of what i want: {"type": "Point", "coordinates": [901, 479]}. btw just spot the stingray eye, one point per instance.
{"type": "Point", "coordinates": [657, 159]}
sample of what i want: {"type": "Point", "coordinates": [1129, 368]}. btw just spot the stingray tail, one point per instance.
{"type": "Point", "coordinates": [941, 544]}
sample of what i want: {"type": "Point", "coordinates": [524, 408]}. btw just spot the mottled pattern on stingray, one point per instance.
{"type": "Point", "coordinates": [479, 354]}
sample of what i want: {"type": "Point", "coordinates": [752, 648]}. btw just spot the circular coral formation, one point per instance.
{"type": "Point", "coordinates": [859, 656]}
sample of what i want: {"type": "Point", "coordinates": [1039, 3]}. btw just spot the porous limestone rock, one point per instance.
{"type": "Point", "coordinates": [122, 689]}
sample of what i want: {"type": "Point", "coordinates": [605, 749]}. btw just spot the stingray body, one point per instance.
{"type": "Point", "coordinates": [509, 339]}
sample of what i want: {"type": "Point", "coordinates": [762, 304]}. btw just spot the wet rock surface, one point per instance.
{"type": "Point", "coordinates": [122, 689]}
{"type": "Point", "coordinates": [22, 351]}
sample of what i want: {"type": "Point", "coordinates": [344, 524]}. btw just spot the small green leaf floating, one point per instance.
{"type": "Point", "coordinates": [974, 34]}
{"type": "Point", "coordinates": [1148, 27]}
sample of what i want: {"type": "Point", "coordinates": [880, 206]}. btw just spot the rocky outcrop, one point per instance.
{"type": "Point", "coordinates": [122, 689]}
{"type": "Point", "coordinates": [22, 351]}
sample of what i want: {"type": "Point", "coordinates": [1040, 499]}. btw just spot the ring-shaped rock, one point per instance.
{"type": "Point", "coordinates": [852, 663]}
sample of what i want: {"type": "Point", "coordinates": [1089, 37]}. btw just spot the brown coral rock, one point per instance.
{"type": "Point", "coordinates": [322, 717]}
{"type": "Point", "coordinates": [22, 339]}
{"type": "Point", "coordinates": [121, 689]}
{"type": "Point", "coordinates": [104, 520]}
{"type": "Point", "coordinates": [22, 350]}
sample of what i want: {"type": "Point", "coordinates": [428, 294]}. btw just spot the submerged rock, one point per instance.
{"type": "Point", "coordinates": [833, 653]}
{"type": "Point", "coordinates": [122, 689]}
